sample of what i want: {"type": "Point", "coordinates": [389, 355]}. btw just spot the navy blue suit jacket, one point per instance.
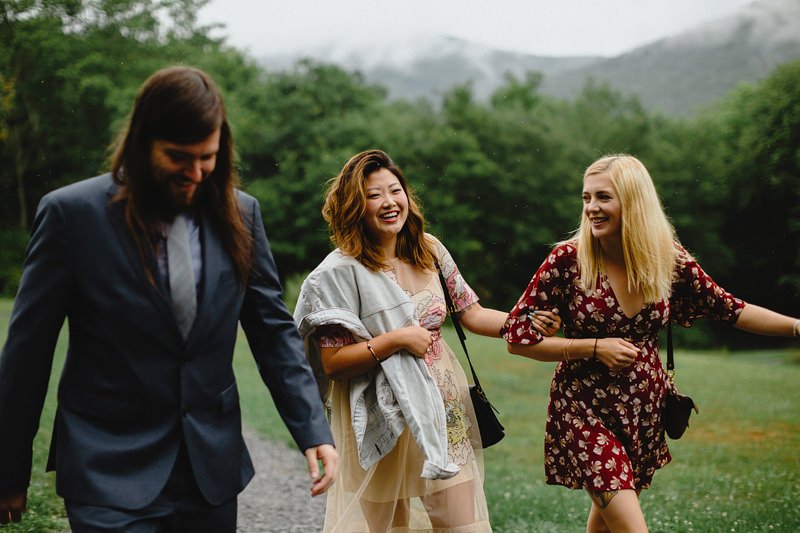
{"type": "Point", "coordinates": [132, 389]}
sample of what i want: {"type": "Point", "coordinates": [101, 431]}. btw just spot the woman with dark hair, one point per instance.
{"type": "Point", "coordinates": [400, 409]}
{"type": "Point", "coordinates": [620, 280]}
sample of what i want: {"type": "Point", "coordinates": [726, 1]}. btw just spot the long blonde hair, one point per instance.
{"type": "Point", "coordinates": [648, 237]}
{"type": "Point", "coordinates": [346, 205]}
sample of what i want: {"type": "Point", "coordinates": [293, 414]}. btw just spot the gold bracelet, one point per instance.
{"type": "Point", "coordinates": [372, 351]}
{"type": "Point", "coordinates": [566, 349]}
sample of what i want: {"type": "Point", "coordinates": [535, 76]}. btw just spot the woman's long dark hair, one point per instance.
{"type": "Point", "coordinates": [180, 105]}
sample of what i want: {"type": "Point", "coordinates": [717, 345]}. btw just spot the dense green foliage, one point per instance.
{"type": "Point", "coordinates": [499, 180]}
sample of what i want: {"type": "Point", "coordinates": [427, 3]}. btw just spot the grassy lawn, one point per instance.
{"type": "Point", "coordinates": [736, 469]}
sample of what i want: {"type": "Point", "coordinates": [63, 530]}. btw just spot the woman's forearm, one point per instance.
{"type": "Point", "coordinates": [359, 358]}
{"type": "Point", "coordinates": [613, 352]}
{"type": "Point", "coordinates": [482, 321]}
{"type": "Point", "coordinates": [756, 319]}
{"type": "Point", "coordinates": [552, 349]}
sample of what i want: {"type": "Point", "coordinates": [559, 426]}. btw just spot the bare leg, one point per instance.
{"type": "Point", "coordinates": [616, 512]}
{"type": "Point", "coordinates": [596, 524]}
{"type": "Point", "coordinates": [380, 515]}
{"type": "Point", "coordinates": [452, 507]}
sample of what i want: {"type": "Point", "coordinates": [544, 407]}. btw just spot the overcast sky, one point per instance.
{"type": "Point", "coordinates": [541, 27]}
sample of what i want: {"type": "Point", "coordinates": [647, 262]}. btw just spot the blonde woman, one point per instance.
{"type": "Point", "coordinates": [371, 314]}
{"type": "Point", "coordinates": [617, 283]}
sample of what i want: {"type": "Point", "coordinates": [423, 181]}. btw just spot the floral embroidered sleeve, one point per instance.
{"type": "Point", "coordinates": [462, 294]}
{"type": "Point", "coordinates": [695, 295]}
{"type": "Point", "coordinates": [334, 336]}
{"type": "Point", "coordinates": [547, 290]}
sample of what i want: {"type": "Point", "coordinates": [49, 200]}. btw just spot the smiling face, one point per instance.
{"type": "Point", "coordinates": [387, 207]}
{"type": "Point", "coordinates": [601, 207]}
{"type": "Point", "coordinates": [180, 169]}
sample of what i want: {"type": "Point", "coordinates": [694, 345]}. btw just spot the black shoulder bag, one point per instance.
{"type": "Point", "coordinates": [678, 407]}
{"type": "Point", "coordinates": [491, 430]}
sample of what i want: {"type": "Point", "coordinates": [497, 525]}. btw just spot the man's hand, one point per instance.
{"type": "Point", "coordinates": [327, 454]}
{"type": "Point", "coordinates": [12, 506]}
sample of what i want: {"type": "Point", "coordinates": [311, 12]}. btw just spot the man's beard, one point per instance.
{"type": "Point", "coordinates": [163, 201]}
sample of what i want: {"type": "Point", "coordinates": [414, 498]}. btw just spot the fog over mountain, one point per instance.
{"type": "Point", "coordinates": [675, 75]}
{"type": "Point", "coordinates": [681, 74]}
{"type": "Point", "coordinates": [416, 66]}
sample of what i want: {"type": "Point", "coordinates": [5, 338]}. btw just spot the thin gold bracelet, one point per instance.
{"type": "Point", "coordinates": [372, 351]}
{"type": "Point", "coordinates": [566, 350]}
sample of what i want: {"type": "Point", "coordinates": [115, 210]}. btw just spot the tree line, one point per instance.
{"type": "Point", "coordinates": [499, 180]}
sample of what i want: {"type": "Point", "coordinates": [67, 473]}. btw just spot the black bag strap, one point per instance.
{"type": "Point", "coordinates": [670, 359]}
{"type": "Point", "coordinates": [451, 309]}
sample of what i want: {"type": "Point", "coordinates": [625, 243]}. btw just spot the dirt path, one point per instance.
{"type": "Point", "coordinates": [278, 498]}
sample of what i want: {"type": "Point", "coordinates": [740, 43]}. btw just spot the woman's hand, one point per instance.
{"type": "Point", "coordinates": [546, 322]}
{"type": "Point", "coordinates": [416, 340]}
{"type": "Point", "coordinates": [616, 353]}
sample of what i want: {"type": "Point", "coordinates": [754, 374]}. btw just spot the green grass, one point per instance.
{"type": "Point", "coordinates": [736, 469]}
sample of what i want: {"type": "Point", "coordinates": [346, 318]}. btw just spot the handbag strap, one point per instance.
{"type": "Point", "coordinates": [451, 309]}
{"type": "Point", "coordinates": [670, 359]}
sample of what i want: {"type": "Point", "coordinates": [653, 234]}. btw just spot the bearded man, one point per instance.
{"type": "Point", "coordinates": [154, 265]}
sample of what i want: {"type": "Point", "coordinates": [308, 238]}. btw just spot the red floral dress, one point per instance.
{"type": "Point", "coordinates": [604, 429]}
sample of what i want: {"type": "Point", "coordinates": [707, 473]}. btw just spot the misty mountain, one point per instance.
{"type": "Point", "coordinates": [675, 75]}
{"type": "Point", "coordinates": [428, 65]}
{"type": "Point", "coordinates": [679, 74]}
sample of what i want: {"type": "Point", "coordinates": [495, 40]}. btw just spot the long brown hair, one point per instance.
{"type": "Point", "coordinates": [181, 105]}
{"type": "Point", "coordinates": [346, 205]}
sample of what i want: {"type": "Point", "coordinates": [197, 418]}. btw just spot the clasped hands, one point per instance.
{"type": "Point", "coordinates": [418, 340]}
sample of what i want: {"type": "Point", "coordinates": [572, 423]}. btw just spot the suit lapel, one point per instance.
{"type": "Point", "coordinates": [215, 262]}
{"type": "Point", "coordinates": [158, 295]}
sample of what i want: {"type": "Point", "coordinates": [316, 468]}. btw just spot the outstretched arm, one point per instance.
{"type": "Point", "coordinates": [755, 319]}
{"type": "Point", "coordinates": [487, 322]}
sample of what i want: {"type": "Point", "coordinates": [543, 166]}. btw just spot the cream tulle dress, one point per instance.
{"type": "Point", "coordinates": [391, 496]}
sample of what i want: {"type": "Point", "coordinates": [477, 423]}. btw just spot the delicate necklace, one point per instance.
{"type": "Point", "coordinates": [393, 263]}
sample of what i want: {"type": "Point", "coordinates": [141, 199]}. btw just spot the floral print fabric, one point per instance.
{"type": "Point", "coordinates": [604, 429]}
